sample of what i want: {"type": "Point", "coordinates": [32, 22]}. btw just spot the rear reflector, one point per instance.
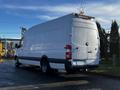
{"type": "Point", "coordinates": [68, 52]}
{"type": "Point", "coordinates": [68, 47]}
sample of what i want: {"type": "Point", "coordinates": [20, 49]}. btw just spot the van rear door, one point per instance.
{"type": "Point", "coordinates": [92, 43]}
{"type": "Point", "coordinates": [79, 38]}
{"type": "Point", "coordinates": [85, 40]}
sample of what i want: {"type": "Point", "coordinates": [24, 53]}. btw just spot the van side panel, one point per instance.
{"type": "Point", "coordinates": [48, 38]}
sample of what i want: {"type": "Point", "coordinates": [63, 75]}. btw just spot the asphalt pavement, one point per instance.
{"type": "Point", "coordinates": [31, 78]}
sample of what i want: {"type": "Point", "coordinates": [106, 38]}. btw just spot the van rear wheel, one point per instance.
{"type": "Point", "coordinates": [45, 67]}
{"type": "Point", "coordinates": [68, 68]}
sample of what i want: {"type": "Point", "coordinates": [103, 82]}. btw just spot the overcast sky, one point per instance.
{"type": "Point", "coordinates": [17, 13]}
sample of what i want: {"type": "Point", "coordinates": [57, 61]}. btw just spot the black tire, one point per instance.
{"type": "Point", "coordinates": [68, 68]}
{"type": "Point", "coordinates": [45, 67]}
{"type": "Point", "coordinates": [17, 63]}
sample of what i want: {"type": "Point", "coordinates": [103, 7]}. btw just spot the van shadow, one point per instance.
{"type": "Point", "coordinates": [33, 76]}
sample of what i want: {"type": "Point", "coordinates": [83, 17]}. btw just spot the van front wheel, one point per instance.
{"type": "Point", "coordinates": [17, 63]}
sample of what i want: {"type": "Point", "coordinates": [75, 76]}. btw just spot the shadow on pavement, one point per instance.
{"type": "Point", "coordinates": [26, 76]}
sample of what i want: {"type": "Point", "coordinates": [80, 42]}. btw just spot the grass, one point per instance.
{"type": "Point", "coordinates": [106, 67]}
{"type": "Point", "coordinates": [2, 60]}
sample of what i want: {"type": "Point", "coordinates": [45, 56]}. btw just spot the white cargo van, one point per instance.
{"type": "Point", "coordinates": [67, 43]}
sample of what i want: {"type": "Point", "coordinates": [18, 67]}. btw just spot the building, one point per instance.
{"type": "Point", "coordinates": [7, 46]}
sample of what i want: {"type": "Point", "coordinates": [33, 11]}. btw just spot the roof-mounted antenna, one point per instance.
{"type": "Point", "coordinates": [81, 12]}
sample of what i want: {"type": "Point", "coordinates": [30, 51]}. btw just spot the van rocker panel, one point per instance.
{"type": "Point", "coordinates": [60, 61]}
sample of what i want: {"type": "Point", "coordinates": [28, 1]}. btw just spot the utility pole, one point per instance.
{"type": "Point", "coordinates": [23, 30]}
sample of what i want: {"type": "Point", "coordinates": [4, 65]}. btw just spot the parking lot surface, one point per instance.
{"type": "Point", "coordinates": [30, 78]}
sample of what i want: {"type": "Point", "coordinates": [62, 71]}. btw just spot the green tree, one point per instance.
{"type": "Point", "coordinates": [114, 40]}
{"type": "Point", "coordinates": [103, 41]}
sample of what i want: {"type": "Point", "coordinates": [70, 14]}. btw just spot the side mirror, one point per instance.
{"type": "Point", "coordinates": [17, 46]}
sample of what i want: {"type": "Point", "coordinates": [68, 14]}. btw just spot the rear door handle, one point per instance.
{"type": "Point", "coordinates": [86, 43]}
{"type": "Point", "coordinates": [89, 51]}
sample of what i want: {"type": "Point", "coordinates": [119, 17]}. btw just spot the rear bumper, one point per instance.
{"type": "Point", "coordinates": [69, 65]}
{"type": "Point", "coordinates": [85, 67]}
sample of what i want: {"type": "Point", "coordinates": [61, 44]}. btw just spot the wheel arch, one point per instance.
{"type": "Point", "coordinates": [44, 58]}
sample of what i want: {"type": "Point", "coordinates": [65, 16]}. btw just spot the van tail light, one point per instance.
{"type": "Point", "coordinates": [68, 54]}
